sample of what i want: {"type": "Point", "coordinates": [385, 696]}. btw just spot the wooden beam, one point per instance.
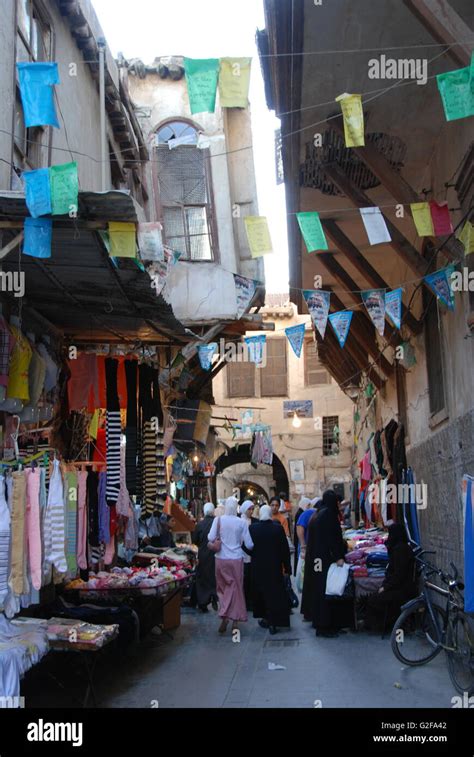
{"type": "Point", "coordinates": [444, 25]}
{"type": "Point", "coordinates": [400, 244]}
{"type": "Point", "coordinates": [351, 252]}
{"type": "Point", "coordinates": [11, 245]}
{"type": "Point", "coordinates": [394, 183]}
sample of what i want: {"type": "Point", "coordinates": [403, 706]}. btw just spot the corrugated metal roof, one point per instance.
{"type": "Point", "coordinates": [113, 205]}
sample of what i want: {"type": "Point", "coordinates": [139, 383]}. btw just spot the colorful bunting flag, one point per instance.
{"type": "Point", "coordinates": [353, 116]}
{"type": "Point", "coordinates": [466, 236]}
{"type": "Point", "coordinates": [201, 78]}
{"type": "Point", "coordinates": [206, 352]}
{"type": "Point", "coordinates": [258, 235]}
{"type": "Point", "coordinates": [295, 335]}
{"type": "Point", "coordinates": [234, 81]}
{"type": "Point", "coordinates": [122, 239]}
{"type": "Point", "coordinates": [374, 301]}
{"type": "Point", "coordinates": [38, 235]}
{"type": "Point", "coordinates": [244, 292]}
{"type": "Point", "coordinates": [341, 322]}
{"type": "Point", "coordinates": [457, 92]}
{"type": "Point", "coordinates": [36, 82]}
{"type": "Point", "coordinates": [421, 214]}
{"type": "Point", "coordinates": [312, 231]}
{"type": "Point", "coordinates": [255, 346]}
{"type": "Point", "coordinates": [375, 225]}
{"type": "Point", "coordinates": [37, 192]}
{"type": "Point", "coordinates": [439, 284]}
{"type": "Point", "coordinates": [317, 301]}
{"type": "Point", "coordinates": [150, 243]}
{"type": "Point", "coordinates": [64, 188]}
{"type": "Point", "coordinates": [393, 306]}
{"type": "Point", "coordinates": [441, 219]}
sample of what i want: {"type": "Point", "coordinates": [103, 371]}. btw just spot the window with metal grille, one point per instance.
{"type": "Point", "coordinates": [273, 377]}
{"type": "Point", "coordinates": [314, 371]}
{"type": "Point", "coordinates": [185, 193]}
{"type": "Point", "coordinates": [240, 379]}
{"type": "Point", "coordinates": [330, 435]}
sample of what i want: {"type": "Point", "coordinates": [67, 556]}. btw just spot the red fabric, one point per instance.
{"type": "Point", "coordinates": [441, 219]}
{"type": "Point", "coordinates": [100, 448]}
{"type": "Point", "coordinates": [82, 383]}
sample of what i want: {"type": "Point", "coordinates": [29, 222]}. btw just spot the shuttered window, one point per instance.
{"type": "Point", "coordinates": [273, 376]}
{"type": "Point", "coordinates": [240, 379]}
{"type": "Point", "coordinates": [314, 372]}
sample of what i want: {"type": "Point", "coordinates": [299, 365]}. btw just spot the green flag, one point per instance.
{"type": "Point", "coordinates": [201, 78]}
{"type": "Point", "coordinates": [64, 188]}
{"type": "Point", "coordinates": [313, 234]}
{"type": "Point", "coordinates": [457, 93]}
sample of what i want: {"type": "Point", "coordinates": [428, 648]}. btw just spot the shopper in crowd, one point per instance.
{"type": "Point", "coordinates": [270, 560]}
{"type": "Point", "coordinates": [278, 516]}
{"type": "Point", "coordinates": [220, 510]}
{"type": "Point", "coordinates": [246, 513]}
{"type": "Point", "coordinates": [303, 505]}
{"type": "Point", "coordinates": [399, 585]}
{"type": "Point", "coordinates": [166, 539]}
{"type": "Point", "coordinates": [206, 568]}
{"type": "Point", "coordinates": [232, 532]}
{"type": "Point", "coordinates": [325, 545]}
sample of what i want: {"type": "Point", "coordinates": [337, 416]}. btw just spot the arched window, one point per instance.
{"type": "Point", "coordinates": [183, 178]}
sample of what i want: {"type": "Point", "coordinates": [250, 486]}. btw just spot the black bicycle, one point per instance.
{"type": "Point", "coordinates": [424, 628]}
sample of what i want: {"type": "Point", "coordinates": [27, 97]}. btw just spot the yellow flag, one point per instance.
{"type": "Point", "coordinates": [234, 80]}
{"type": "Point", "coordinates": [353, 116]}
{"type": "Point", "coordinates": [94, 425]}
{"type": "Point", "coordinates": [258, 235]}
{"type": "Point", "coordinates": [467, 237]}
{"type": "Point", "coordinates": [422, 218]}
{"type": "Point", "coordinates": [122, 240]}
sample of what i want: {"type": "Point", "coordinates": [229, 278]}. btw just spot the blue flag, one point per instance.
{"type": "Point", "coordinates": [38, 192]}
{"type": "Point", "coordinates": [341, 323]}
{"type": "Point", "coordinates": [295, 336]}
{"type": "Point", "coordinates": [255, 346]}
{"type": "Point", "coordinates": [439, 284]}
{"type": "Point", "coordinates": [38, 235]}
{"type": "Point", "coordinates": [37, 94]}
{"type": "Point", "coordinates": [206, 353]}
{"type": "Point", "coordinates": [393, 306]}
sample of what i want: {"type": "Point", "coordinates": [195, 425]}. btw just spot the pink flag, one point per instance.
{"type": "Point", "coordinates": [441, 220]}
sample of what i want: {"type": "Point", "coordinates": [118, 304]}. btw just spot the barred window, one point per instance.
{"type": "Point", "coordinates": [330, 435]}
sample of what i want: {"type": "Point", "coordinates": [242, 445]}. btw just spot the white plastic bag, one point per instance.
{"type": "Point", "coordinates": [300, 574]}
{"type": "Point", "coordinates": [337, 579]}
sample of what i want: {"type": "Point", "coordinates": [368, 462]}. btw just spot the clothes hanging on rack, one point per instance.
{"type": "Point", "coordinates": [113, 431]}
{"type": "Point", "coordinates": [131, 429]}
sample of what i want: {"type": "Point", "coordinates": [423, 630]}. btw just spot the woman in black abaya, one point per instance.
{"type": "Point", "coordinates": [325, 546]}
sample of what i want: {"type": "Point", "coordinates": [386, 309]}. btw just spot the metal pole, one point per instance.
{"type": "Point", "coordinates": [103, 132]}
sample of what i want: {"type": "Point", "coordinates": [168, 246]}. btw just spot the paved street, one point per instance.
{"type": "Point", "coordinates": [198, 668]}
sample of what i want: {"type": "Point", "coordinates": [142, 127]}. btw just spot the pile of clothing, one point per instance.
{"type": "Point", "coordinates": [126, 578]}
{"type": "Point", "coordinates": [20, 649]}
{"type": "Point", "coordinates": [367, 553]}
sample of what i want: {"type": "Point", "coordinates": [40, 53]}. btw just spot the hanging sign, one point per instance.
{"type": "Point", "coordinates": [341, 323]}
{"type": "Point", "coordinates": [64, 188]}
{"type": "Point", "coordinates": [312, 231]}
{"type": "Point", "coordinates": [258, 235]}
{"type": "Point", "coordinates": [36, 82]}
{"type": "Point", "coordinates": [439, 284]}
{"type": "Point", "coordinates": [206, 352]}
{"type": "Point", "coordinates": [201, 79]}
{"type": "Point", "coordinates": [353, 116]}
{"type": "Point", "coordinates": [393, 306]}
{"type": "Point", "coordinates": [422, 219]}
{"type": "Point", "coordinates": [255, 346]}
{"type": "Point", "coordinates": [374, 301]}
{"type": "Point", "coordinates": [317, 301]}
{"type": "Point", "coordinates": [122, 239]}
{"type": "Point", "coordinates": [38, 234]}
{"type": "Point", "coordinates": [375, 225]}
{"type": "Point", "coordinates": [466, 236]}
{"type": "Point", "coordinates": [457, 93]}
{"type": "Point", "coordinates": [150, 243]}
{"type": "Point", "coordinates": [160, 270]}
{"type": "Point", "coordinates": [441, 219]}
{"type": "Point", "coordinates": [37, 192]}
{"type": "Point", "coordinates": [295, 335]}
{"type": "Point", "coordinates": [244, 292]}
{"type": "Point", "coordinates": [234, 81]}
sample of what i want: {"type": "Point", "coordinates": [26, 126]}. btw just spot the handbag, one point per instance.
{"type": "Point", "coordinates": [215, 546]}
{"type": "Point", "coordinates": [337, 579]}
{"type": "Point", "coordinates": [292, 597]}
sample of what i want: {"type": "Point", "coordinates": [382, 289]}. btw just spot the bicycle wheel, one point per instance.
{"type": "Point", "coordinates": [460, 653]}
{"type": "Point", "coordinates": [415, 640]}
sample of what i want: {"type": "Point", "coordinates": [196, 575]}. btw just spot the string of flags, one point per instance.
{"type": "Point", "coordinates": [204, 76]}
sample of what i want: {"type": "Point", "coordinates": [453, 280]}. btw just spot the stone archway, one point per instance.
{"type": "Point", "coordinates": [273, 478]}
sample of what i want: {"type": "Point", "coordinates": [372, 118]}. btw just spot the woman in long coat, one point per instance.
{"type": "Point", "coordinates": [270, 557]}
{"type": "Point", "coordinates": [206, 568]}
{"type": "Point", "coordinates": [325, 546]}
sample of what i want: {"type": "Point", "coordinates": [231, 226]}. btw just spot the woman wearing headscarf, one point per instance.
{"type": "Point", "coordinates": [270, 560]}
{"type": "Point", "coordinates": [246, 513]}
{"type": "Point", "coordinates": [233, 532]}
{"type": "Point", "coordinates": [206, 568]}
{"type": "Point", "coordinates": [399, 584]}
{"type": "Point", "coordinates": [303, 504]}
{"type": "Point", "coordinates": [325, 545]}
